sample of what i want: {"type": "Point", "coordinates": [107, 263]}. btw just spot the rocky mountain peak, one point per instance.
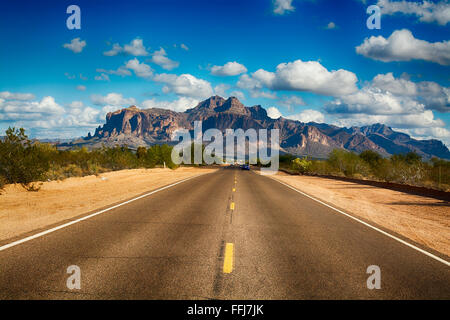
{"type": "Point", "coordinates": [149, 126]}
{"type": "Point", "coordinates": [210, 104]}
{"type": "Point", "coordinates": [377, 128]}
{"type": "Point", "coordinates": [233, 105]}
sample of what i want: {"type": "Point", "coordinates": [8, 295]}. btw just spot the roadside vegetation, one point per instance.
{"type": "Point", "coordinates": [407, 168]}
{"type": "Point", "coordinates": [29, 162]}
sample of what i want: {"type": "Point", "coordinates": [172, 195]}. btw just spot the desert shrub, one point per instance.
{"type": "Point", "coordinates": [141, 154]}
{"type": "Point", "coordinates": [154, 156]}
{"type": "Point", "coordinates": [21, 161]}
{"type": "Point", "coordinates": [347, 163]}
{"type": "Point", "coordinates": [439, 172]}
{"type": "Point", "coordinates": [27, 162]}
{"type": "Point", "coordinates": [382, 171]}
{"type": "Point", "coordinates": [72, 170]}
{"type": "Point", "coordinates": [321, 167]}
{"type": "Point", "coordinates": [285, 161]}
{"type": "Point", "coordinates": [407, 168]}
{"type": "Point", "coordinates": [302, 165]}
{"type": "Point", "coordinates": [166, 152]}
{"type": "Point", "coordinates": [371, 157]}
{"type": "Point", "coordinates": [380, 168]}
{"type": "Point", "coordinates": [93, 167]}
{"type": "Point", "coordinates": [119, 158]}
{"type": "Point", "coordinates": [158, 155]}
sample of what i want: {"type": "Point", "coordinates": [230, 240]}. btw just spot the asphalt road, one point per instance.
{"type": "Point", "coordinates": [201, 239]}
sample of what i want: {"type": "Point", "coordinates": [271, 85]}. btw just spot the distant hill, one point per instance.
{"type": "Point", "coordinates": [142, 127]}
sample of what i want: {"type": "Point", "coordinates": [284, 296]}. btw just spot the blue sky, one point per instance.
{"type": "Point", "coordinates": [302, 59]}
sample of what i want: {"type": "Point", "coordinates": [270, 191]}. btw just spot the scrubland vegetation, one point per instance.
{"type": "Point", "coordinates": [407, 168]}
{"type": "Point", "coordinates": [27, 162]}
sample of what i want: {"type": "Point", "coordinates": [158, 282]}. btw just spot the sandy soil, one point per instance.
{"type": "Point", "coordinates": [22, 211]}
{"type": "Point", "coordinates": [424, 220]}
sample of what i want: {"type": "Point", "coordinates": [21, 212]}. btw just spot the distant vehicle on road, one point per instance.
{"type": "Point", "coordinates": [245, 167]}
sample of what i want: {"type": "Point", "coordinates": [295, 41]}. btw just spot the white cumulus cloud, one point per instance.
{"type": "Point", "coordinates": [16, 96]}
{"type": "Point", "coordinates": [160, 58]}
{"type": "Point", "coordinates": [102, 77]}
{"type": "Point", "coordinates": [180, 105]}
{"type": "Point", "coordinates": [430, 94]}
{"type": "Point", "coordinates": [331, 25]}
{"type": "Point", "coordinates": [134, 48]}
{"type": "Point", "coordinates": [291, 101]}
{"type": "Point", "coordinates": [308, 115]}
{"type": "Point", "coordinates": [121, 71]}
{"type": "Point", "coordinates": [396, 102]}
{"type": "Point", "coordinates": [403, 46]}
{"type": "Point", "coordinates": [426, 11]}
{"type": "Point", "coordinates": [112, 99]}
{"type": "Point", "coordinates": [23, 110]}
{"type": "Point", "coordinates": [300, 75]}
{"type": "Point", "coordinates": [76, 45]}
{"type": "Point", "coordinates": [140, 69]}
{"type": "Point", "coordinates": [273, 113]}
{"type": "Point", "coordinates": [282, 6]}
{"type": "Point", "coordinates": [229, 69]}
{"type": "Point", "coordinates": [185, 85]}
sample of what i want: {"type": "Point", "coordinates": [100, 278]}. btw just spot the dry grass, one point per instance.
{"type": "Point", "coordinates": [422, 219]}
{"type": "Point", "coordinates": [22, 211]}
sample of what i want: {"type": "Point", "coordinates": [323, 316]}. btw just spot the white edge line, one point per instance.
{"type": "Point", "coordinates": [369, 225]}
{"type": "Point", "coordinates": [43, 233]}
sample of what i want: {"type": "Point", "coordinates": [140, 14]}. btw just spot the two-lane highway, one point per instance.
{"type": "Point", "coordinates": [230, 234]}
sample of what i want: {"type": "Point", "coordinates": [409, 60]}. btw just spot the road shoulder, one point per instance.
{"type": "Point", "coordinates": [424, 220]}
{"type": "Point", "coordinates": [23, 212]}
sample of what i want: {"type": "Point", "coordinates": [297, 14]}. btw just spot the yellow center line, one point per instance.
{"type": "Point", "coordinates": [232, 206]}
{"type": "Point", "coordinates": [228, 261]}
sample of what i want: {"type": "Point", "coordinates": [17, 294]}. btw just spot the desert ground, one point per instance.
{"type": "Point", "coordinates": [422, 219]}
{"type": "Point", "coordinates": [23, 211]}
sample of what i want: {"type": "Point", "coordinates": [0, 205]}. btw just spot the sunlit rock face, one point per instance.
{"type": "Point", "coordinates": [135, 127]}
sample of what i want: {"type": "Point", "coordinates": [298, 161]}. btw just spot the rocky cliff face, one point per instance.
{"type": "Point", "coordinates": [133, 126]}
{"type": "Point", "coordinates": [153, 124]}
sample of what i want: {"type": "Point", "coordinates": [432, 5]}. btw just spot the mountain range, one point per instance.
{"type": "Point", "coordinates": [143, 127]}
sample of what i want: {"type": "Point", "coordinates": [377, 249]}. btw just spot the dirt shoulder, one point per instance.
{"type": "Point", "coordinates": [423, 219]}
{"type": "Point", "coordinates": [22, 211]}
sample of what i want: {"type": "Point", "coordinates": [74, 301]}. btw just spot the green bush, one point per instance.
{"type": "Point", "coordinates": [25, 162]}
{"type": "Point", "coordinates": [439, 172]}
{"type": "Point", "coordinates": [301, 165]}
{"type": "Point", "coordinates": [400, 168]}
{"type": "Point", "coordinates": [20, 160]}
{"type": "Point", "coordinates": [347, 163]}
{"type": "Point", "coordinates": [158, 155]}
{"type": "Point", "coordinates": [407, 168]}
